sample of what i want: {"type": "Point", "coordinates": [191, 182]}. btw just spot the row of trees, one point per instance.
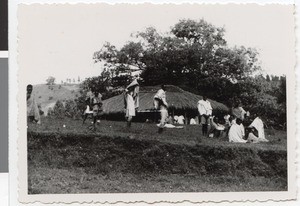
{"type": "Point", "coordinates": [51, 80]}
{"type": "Point", "coordinates": [195, 56]}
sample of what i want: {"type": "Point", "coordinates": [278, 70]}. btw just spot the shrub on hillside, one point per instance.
{"type": "Point", "coordinates": [50, 112]}
{"type": "Point", "coordinates": [41, 112]}
{"type": "Point", "coordinates": [67, 108]}
{"type": "Point", "coordinates": [58, 110]}
{"type": "Point", "coordinates": [71, 109]}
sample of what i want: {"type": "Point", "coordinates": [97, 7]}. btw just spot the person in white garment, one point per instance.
{"type": "Point", "coordinates": [33, 114]}
{"type": "Point", "coordinates": [238, 111]}
{"type": "Point", "coordinates": [88, 100]}
{"type": "Point", "coordinates": [192, 121]}
{"type": "Point", "coordinates": [236, 133]}
{"type": "Point", "coordinates": [252, 135]}
{"type": "Point", "coordinates": [176, 119]}
{"type": "Point", "coordinates": [131, 101]}
{"type": "Point", "coordinates": [160, 103]}
{"type": "Point", "coordinates": [180, 119]}
{"type": "Point", "coordinates": [205, 111]}
{"type": "Point", "coordinates": [216, 129]}
{"type": "Point", "coordinates": [228, 121]}
{"type": "Point", "coordinates": [259, 126]}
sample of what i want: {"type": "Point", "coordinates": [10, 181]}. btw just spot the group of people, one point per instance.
{"type": "Point", "coordinates": [93, 106]}
{"type": "Point", "coordinates": [231, 126]}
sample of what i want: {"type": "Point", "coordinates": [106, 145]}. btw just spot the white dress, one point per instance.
{"type": "Point", "coordinates": [236, 134]}
{"type": "Point", "coordinates": [32, 108]}
{"type": "Point", "coordinates": [259, 126]}
{"type": "Point", "coordinates": [130, 110]}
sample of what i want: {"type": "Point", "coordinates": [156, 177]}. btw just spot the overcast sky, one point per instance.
{"type": "Point", "coordinates": [60, 40]}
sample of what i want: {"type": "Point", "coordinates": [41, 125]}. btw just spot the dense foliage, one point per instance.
{"type": "Point", "coordinates": [195, 56]}
{"type": "Point", "coordinates": [68, 108]}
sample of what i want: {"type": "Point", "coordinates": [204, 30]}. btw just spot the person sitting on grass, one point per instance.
{"type": "Point", "coordinates": [176, 119]}
{"type": "Point", "coordinates": [228, 122]}
{"type": "Point", "coordinates": [239, 113]}
{"type": "Point", "coordinates": [33, 113]}
{"type": "Point", "coordinates": [181, 120]}
{"type": "Point", "coordinates": [96, 103]}
{"type": "Point", "coordinates": [193, 121]}
{"type": "Point", "coordinates": [169, 119]}
{"type": "Point", "coordinates": [216, 129]}
{"type": "Point", "coordinates": [252, 135]}
{"type": "Point", "coordinates": [259, 126]}
{"type": "Point", "coordinates": [236, 133]}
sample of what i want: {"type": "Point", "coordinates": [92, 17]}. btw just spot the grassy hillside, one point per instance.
{"type": "Point", "coordinates": [47, 95]}
{"type": "Point", "coordinates": [64, 156]}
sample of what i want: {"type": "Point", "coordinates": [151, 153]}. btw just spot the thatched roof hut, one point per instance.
{"type": "Point", "coordinates": [178, 100]}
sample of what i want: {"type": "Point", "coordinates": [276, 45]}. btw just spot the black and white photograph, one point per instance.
{"type": "Point", "coordinates": [158, 99]}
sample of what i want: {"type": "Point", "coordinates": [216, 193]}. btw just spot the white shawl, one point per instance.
{"type": "Point", "coordinates": [236, 133]}
{"type": "Point", "coordinates": [259, 126]}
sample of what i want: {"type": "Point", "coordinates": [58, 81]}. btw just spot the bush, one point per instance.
{"type": "Point", "coordinates": [59, 110]}
{"type": "Point", "coordinates": [50, 111]}
{"type": "Point", "coordinates": [50, 98]}
{"type": "Point", "coordinates": [67, 108]}
{"type": "Point", "coordinates": [71, 109]}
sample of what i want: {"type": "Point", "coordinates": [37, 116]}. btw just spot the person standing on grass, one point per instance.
{"type": "Point", "coordinates": [131, 101]}
{"type": "Point", "coordinates": [33, 114]}
{"type": "Point", "coordinates": [160, 103]}
{"type": "Point", "coordinates": [96, 103]}
{"type": "Point", "coordinates": [205, 111]}
{"type": "Point", "coordinates": [88, 100]}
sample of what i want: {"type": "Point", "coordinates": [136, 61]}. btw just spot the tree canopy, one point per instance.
{"type": "Point", "coordinates": [195, 56]}
{"type": "Point", "coordinates": [192, 54]}
{"type": "Point", "coordinates": [50, 80]}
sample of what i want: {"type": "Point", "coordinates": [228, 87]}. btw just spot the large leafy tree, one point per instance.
{"type": "Point", "coordinates": [190, 55]}
{"type": "Point", "coordinates": [195, 56]}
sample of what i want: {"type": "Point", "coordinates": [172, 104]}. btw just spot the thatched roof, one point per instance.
{"type": "Point", "coordinates": [177, 99]}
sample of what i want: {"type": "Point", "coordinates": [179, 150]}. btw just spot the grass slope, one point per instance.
{"type": "Point", "coordinates": [72, 159]}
